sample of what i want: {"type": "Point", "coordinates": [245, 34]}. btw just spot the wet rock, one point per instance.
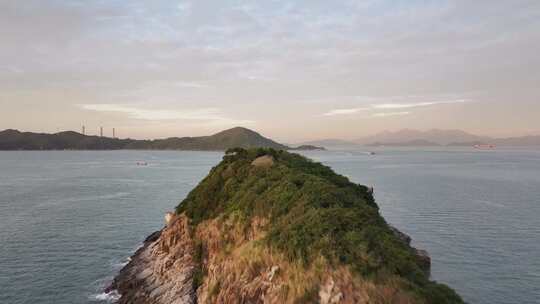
{"type": "Point", "coordinates": [423, 260]}
{"type": "Point", "coordinates": [400, 235]}
{"type": "Point", "coordinates": [147, 278]}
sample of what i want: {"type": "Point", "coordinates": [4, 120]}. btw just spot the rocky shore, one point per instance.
{"type": "Point", "coordinates": [161, 271]}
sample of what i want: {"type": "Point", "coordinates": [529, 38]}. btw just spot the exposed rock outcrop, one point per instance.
{"type": "Point", "coordinates": [162, 270]}
{"type": "Point", "coordinates": [423, 260]}
{"type": "Point", "coordinates": [169, 218]}
{"type": "Point", "coordinates": [263, 161]}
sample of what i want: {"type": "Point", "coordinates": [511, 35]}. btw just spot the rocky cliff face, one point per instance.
{"type": "Point", "coordinates": [162, 270]}
{"type": "Point", "coordinates": [257, 230]}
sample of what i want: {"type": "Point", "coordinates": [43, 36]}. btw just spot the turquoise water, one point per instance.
{"type": "Point", "coordinates": [69, 220]}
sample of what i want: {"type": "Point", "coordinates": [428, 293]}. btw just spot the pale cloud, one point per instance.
{"type": "Point", "coordinates": [184, 7]}
{"type": "Point", "coordinates": [209, 116]}
{"type": "Point", "coordinates": [387, 114]}
{"type": "Point", "coordinates": [191, 84]}
{"type": "Point", "coordinates": [14, 70]}
{"type": "Point", "coordinates": [415, 105]}
{"type": "Point", "coordinates": [391, 106]}
{"type": "Point", "coordinates": [343, 111]}
{"type": "Point", "coordinates": [154, 114]}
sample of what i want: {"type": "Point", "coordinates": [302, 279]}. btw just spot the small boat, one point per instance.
{"type": "Point", "coordinates": [142, 163]}
{"type": "Point", "coordinates": [484, 146]}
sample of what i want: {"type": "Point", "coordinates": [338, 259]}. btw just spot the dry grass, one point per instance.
{"type": "Point", "coordinates": [238, 267]}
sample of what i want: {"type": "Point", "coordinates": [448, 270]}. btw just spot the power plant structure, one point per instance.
{"type": "Point", "coordinates": [83, 130]}
{"type": "Point", "coordinates": [100, 131]}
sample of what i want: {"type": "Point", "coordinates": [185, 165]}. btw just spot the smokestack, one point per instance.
{"type": "Point", "coordinates": [101, 131]}
{"type": "Point", "coordinates": [83, 130]}
{"type": "Point", "coordinates": [113, 133]}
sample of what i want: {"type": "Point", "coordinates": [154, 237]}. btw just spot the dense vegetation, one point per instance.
{"type": "Point", "coordinates": [312, 211]}
{"type": "Point", "coordinates": [236, 137]}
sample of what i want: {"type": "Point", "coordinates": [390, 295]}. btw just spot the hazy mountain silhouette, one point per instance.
{"type": "Point", "coordinates": [411, 143]}
{"type": "Point", "coordinates": [436, 136]}
{"type": "Point", "coordinates": [231, 138]}
{"type": "Point", "coordinates": [329, 142]}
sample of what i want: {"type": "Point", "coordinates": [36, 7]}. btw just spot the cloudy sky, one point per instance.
{"type": "Point", "coordinates": [293, 70]}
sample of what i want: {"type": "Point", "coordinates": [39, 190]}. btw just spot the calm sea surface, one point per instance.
{"type": "Point", "coordinates": [69, 220]}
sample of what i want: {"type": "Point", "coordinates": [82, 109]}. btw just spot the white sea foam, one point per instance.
{"type": "Point", "coordinates": [490, 203]}
{"type": "Point", "coordinates": [110, 297]}
{"type": "Point", "coordinates": [119, 265]}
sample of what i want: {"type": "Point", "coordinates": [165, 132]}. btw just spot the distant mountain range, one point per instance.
{"type": "Point", "coordinates": [246, 138]}
{"type": "Point", "coordinates": [410, 143]}
{"type": "Point", "coordinates": [308, 148]}
{"type": "Point", "coordinates": [518, 141]}
{"type": "Point", "coordinates": [330, 142]}
{"type": "Point", "coordinates": [435, 137]}
{"type": "Point", "coordinates": [443, 138]}
{"type": "Point", "coordinates": [69, 140]}
{"type": "Point", "coordinates": [438, 137]}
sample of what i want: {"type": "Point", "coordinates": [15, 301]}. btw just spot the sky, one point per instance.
{"type": "Point", "coordinates": [292, 70]}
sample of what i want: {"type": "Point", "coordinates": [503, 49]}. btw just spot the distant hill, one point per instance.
{"type": "Point", "coordinates": [308, 148]}
{"type": "Point", "coordinates": [411, 143]}
{"type": "Point", "coordinates": [439, 137]}
{"type": "Point", "coordinates": [518, 141]}
{"type": "Point", "coordinates": [467, 144]}
{"type": "Point", "coordinates": [508, 142]}
{"type": "Point", "coordinates": [409, 138]}
{"type": "Point", "coordinates": [231, 138]}
{"type": "Point", "coordinates": [330, 142]}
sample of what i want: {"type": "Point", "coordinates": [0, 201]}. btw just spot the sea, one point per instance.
{"type": "Point", "coordinates": [69, 220]}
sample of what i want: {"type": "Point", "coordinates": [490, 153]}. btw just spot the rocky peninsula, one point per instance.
{"type": "Point", "coordinates": [268, 226]}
